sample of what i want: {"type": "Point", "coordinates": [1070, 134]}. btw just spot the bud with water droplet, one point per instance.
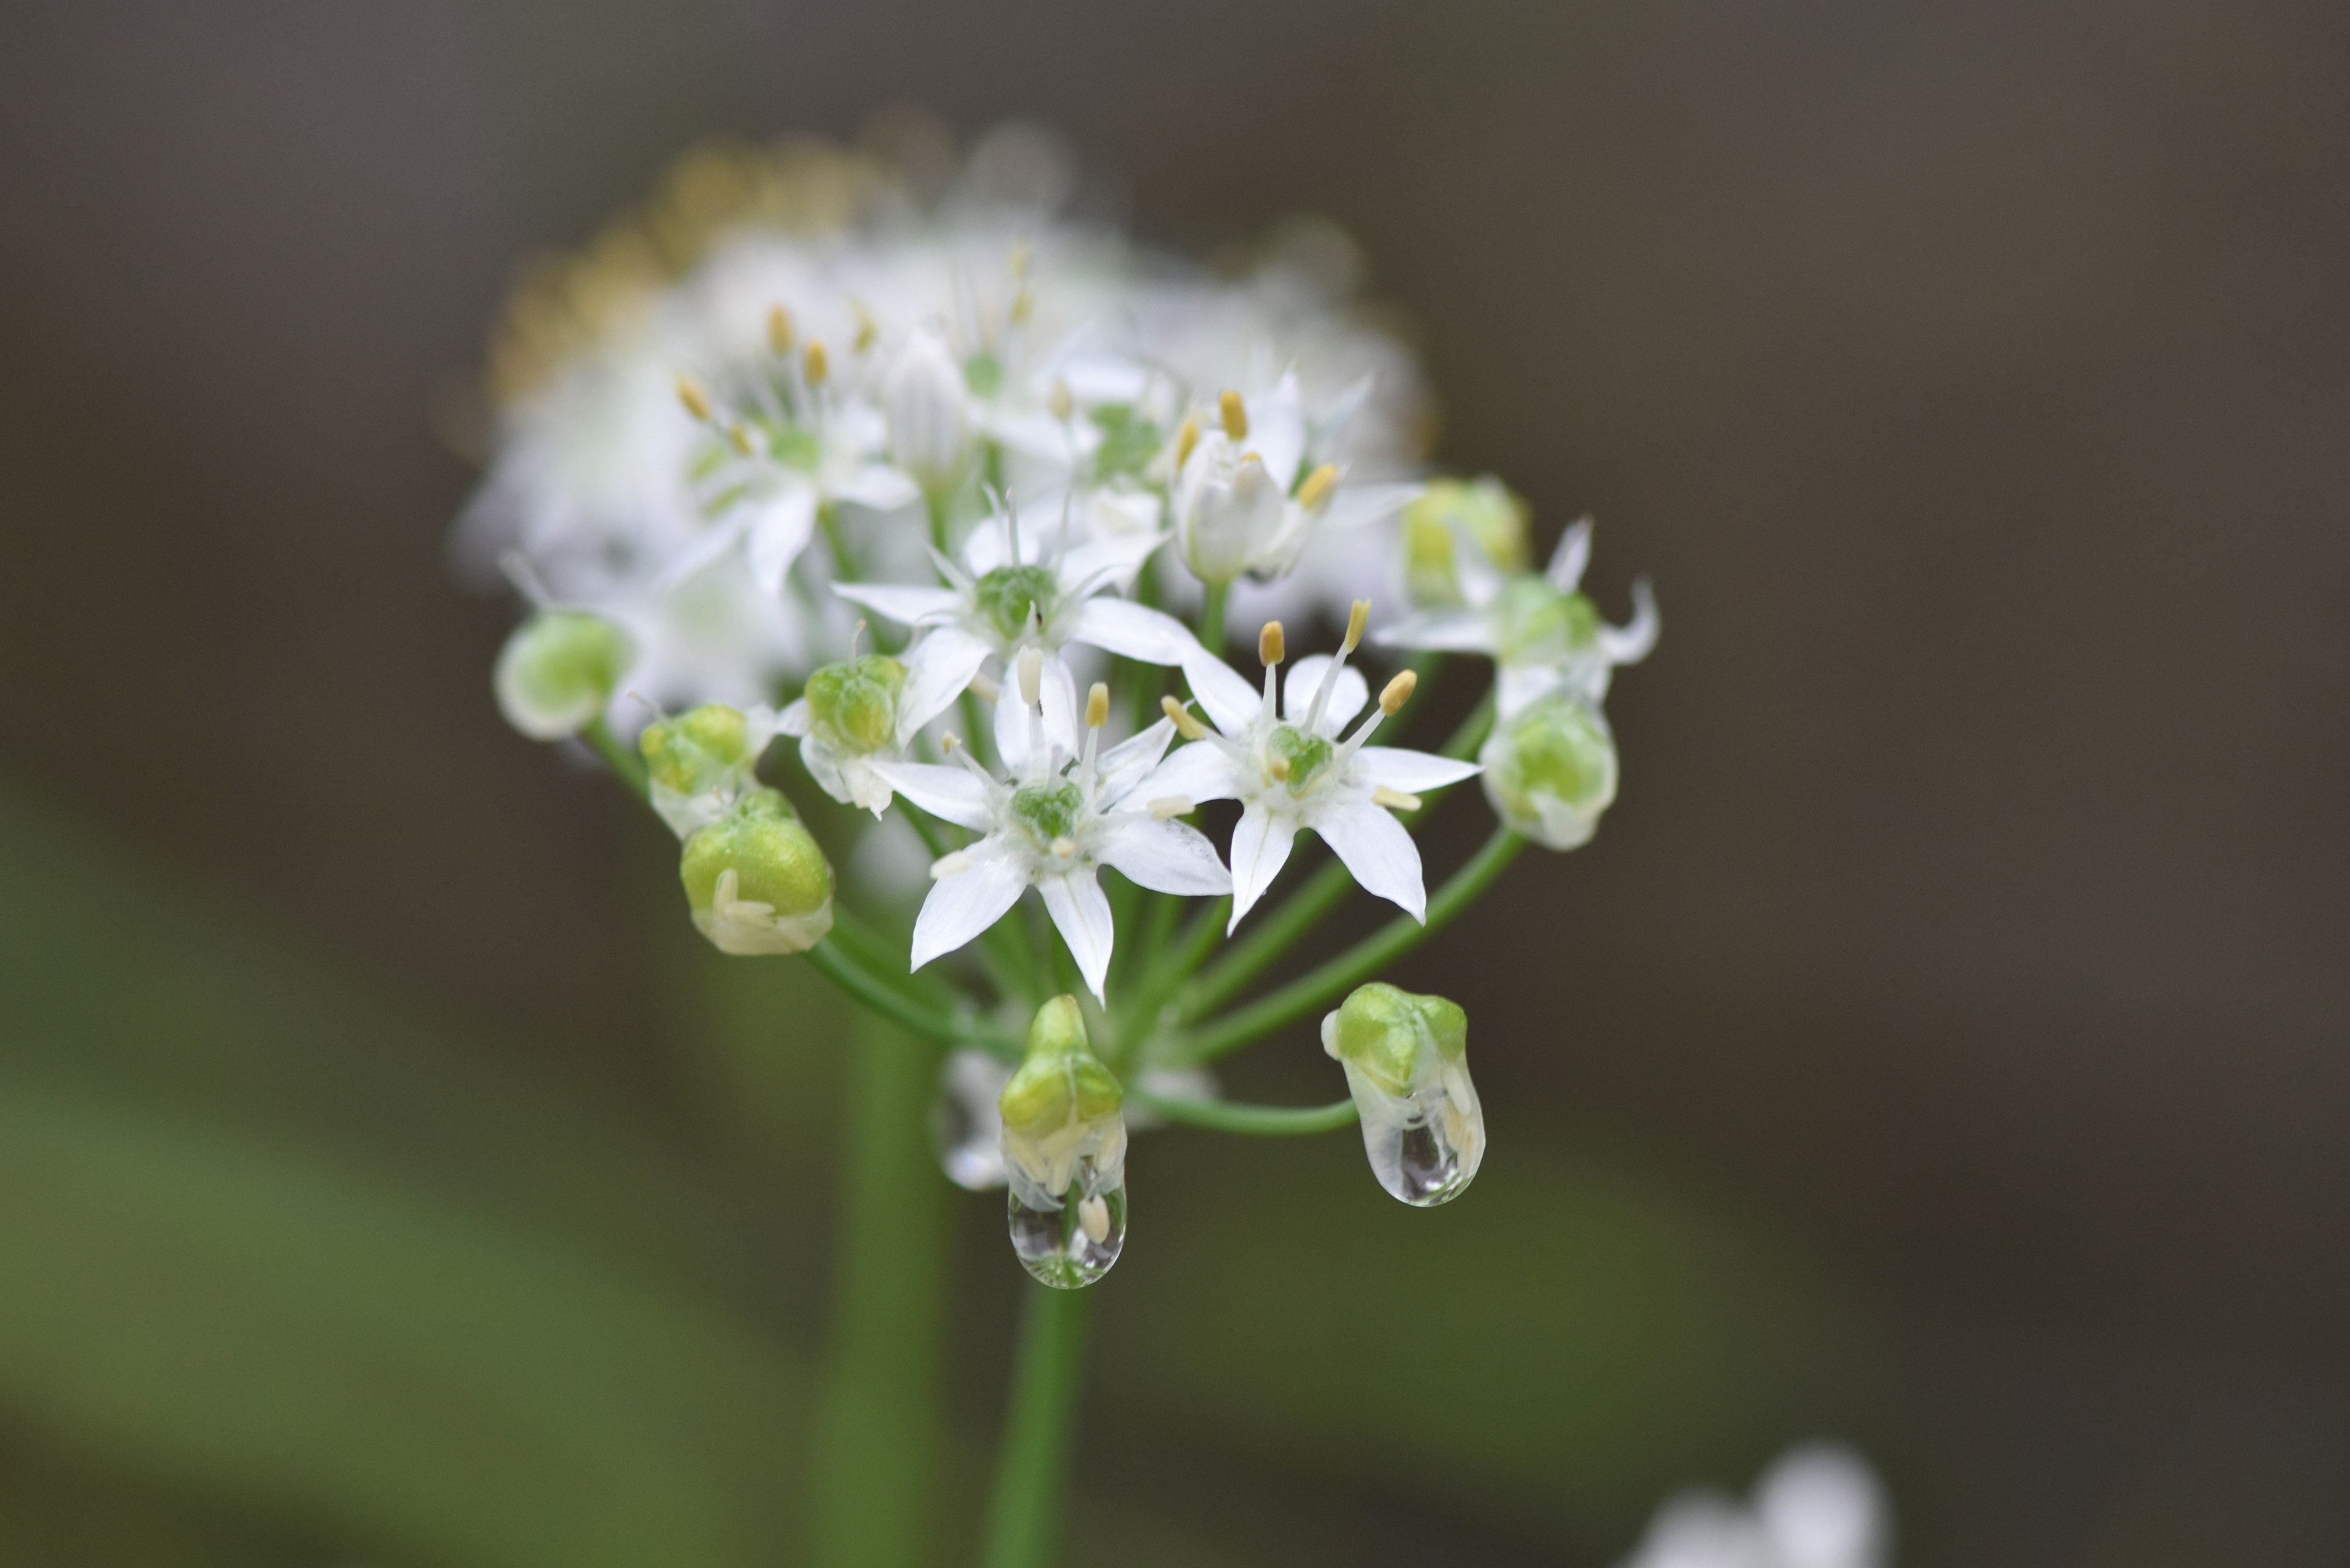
{"type": "Point", "coordinates": [1551, 771]}
{"type": "Point", "coordinates": [701, 763]}
{"type": "Point", "coordinates": [560, 670]}
{"type": "Point", "coordinates": [925, 403]}
{"type": "Point", "coordinates": [1065, 1153]}
{"type": "Point", "coordinates": [756, 880]}
{"type": "Point", "coordinates": [1407, 1062]}
{"type": "Point", "coordinates": [1462, 537]}
{"type": "Point", "coordinates": [848, 715]}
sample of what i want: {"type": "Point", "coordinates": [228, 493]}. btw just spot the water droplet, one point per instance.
{"type": "Point", "coordinates": [1424, 1147]}
{"type": "Point", "coordinates": [1072, 1245]}
{"type": "Point", "coordinates": [966, 1127]}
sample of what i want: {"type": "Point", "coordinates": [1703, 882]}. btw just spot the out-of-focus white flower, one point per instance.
{"type": "Point", "coordinates": [1280, 755]}
{"type": "Point", "coordinates": [1820, 1506]}
{"type": "Point", "coordinates": [927, 408]}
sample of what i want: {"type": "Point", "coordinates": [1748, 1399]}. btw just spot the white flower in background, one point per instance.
{"type": "Point", "coordinates": [966, 1122]}
{"type": "Point", "coordinates": [1065, 810]}
{"type": "Point", "coordinates": [1281, 757]}
{"type": "Point", "coordinates": [1550, 771]}
{"type": "Point", "coordinates": [928, 410]}
{"type": "Point", "coordinates": [1820, 1506]}
{"type": "Point", "coordinates": [1014, 590]}
{"type": "Point", "coordinates": [1543, 634]}
{"type": "Point", "coordinates": [558, 671]}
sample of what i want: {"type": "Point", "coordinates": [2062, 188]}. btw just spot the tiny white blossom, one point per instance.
{"type": "Point", "coordinates": [1281, 757]}
{"type": "Point", "coordinates": [1066, 809]}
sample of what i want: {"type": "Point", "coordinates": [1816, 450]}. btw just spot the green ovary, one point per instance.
{"type": "Point", "coordinates": [1048, 812]}
{"type": "Point", "coordinates": [1306, 754]}
{"type": "Point", "coordinates": [1006, 595]}
{"type": "Point", "coordinates": [853, 706]}
{"type": "Point", "coordinates": [1536, 624]}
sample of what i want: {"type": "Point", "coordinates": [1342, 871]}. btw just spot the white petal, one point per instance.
{"type": "Point", "coordinates": [793, 719]}
{"type": "Point", "coordinates": [1278, 431]}
{"type": "Point", "coordinates": [1378, 852]}
{"type": "Point", "coordinates": [879, 487]}
{"type": "Point", "coordinates": [1573, 554]}
{"type": "Point", "coordinates": [713, 543]}
{"type": "Point", "coordinates": [1304, 679]}
{"type": "Point", "coordinates": [1201, 771]}
{"type": "Point", "coordinates": [1359, 505]}
{"type": "Point", "coordinates": [1138, 631]}
{"type": "Point", "coordinates": [953, 795]}
{"type": "Point", "coordinates": [1130, 762]}
{"type": "Point", "coordinates": [1631, 644]}
{"type": "Point", "coordinates": [961, 905]}
{"type": "Point", "coordinates": [1447, 630]}
{"type": "Point", "coordinates": [1410, 771]}
{"type": "Point", "coordinates": [1517, 686]}
{"type": "Point", "coordinates": [780, 527]}
{"type": "Point", "coordinates": [987, 547]}
{"type": "Point", "coordinates": [907, 605]}
{"type": "Point", "coordinates": [1113, 561]}
{"type": "Point", "coordinates": [938, 667]}
{"type": "Point", "coordinates": [1167, 858]}
{"type": "Point", "coordinates": [1260, 849]}
{"type": "Point", "coordinates": [1232, 704]}
{"type": "Point", "coordinates": [1041, 436]}
{"type": "Point", "coordinates": [1075, 902]}
{"type": "Point", "coordinates": [1058, 689]}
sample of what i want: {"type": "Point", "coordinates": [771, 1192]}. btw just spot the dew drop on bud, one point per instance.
{"type": "Point", "coordinates": [1075, 1244]}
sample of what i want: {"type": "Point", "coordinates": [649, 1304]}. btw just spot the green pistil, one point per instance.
{"type": "Point", "coordinates": [1307, 756]}
{"type": "Point", "coordinates": [1537, 623]}
{"type": "Point", "coordinates": [1048, 811]}
{"type": "Point", "coordinates": [1006, 595]}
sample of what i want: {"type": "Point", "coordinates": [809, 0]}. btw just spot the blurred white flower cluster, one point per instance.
{"type": "Point", "coordinates": [1820, 1506]}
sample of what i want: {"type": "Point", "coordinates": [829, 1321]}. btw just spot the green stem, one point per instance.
{"type": "Point", "coordinates": [626, 765]}
{"type": "Point", "coordinates": [832, 959]}
{"type": "Point", "coordinates": [877, 1416]}
{"type": "Point", "coordinates": [1324, 982]}
{"type": "Point", "coordinates": [1024, 1515]}
{"type": "Point", "coordinates": [1212, 618]}
{"type": "Point", "coordinates": [1269, 1121]}
{"type": "Point", "coordinates": [1151, 997]}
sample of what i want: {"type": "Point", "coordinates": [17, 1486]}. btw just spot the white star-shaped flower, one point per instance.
{"type": "Point", "coordinates": [1286, 765]}
{"type": "Point", "coordinates": [1013, 590]}
{"type": "Point", "coordinates": [1543, 635]}
{"type": "Point", "coordinates": [1066, 809]}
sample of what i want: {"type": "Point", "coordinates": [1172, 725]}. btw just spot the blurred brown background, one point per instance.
{"type": "Point", "coordinates": [1974, 378]}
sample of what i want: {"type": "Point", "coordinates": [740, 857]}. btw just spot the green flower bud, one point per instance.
{"type": "Point", "coordinates": [560, 670]}
{"type": "Point", "coordinates": [1482, 511]}
{"type": "Point", "coordinates": [700, 762]}
{"type": "Point", "coordinates": [1065, 1152]}
{"type": "Point", "coordinates": [1407, 1062]}
{"type": "Point", "coordinates": [755, 880]}
{"type": "Point", "coordinates": [1551, 771]}
{"type": "Point", "coordinates": [1536, 623]}
{"type": "Point", "coordinates": [853, 705]}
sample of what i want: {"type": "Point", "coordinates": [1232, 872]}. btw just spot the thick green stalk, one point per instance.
{"type": "Point", "coordinates": [626, 765]}
{"type": "Point", "coordinates": [1263, 1121]}
{"type": "Point", "coordinates": [1324, 982]}
{"type": "Point", "coordinates": [1212, 618]}
{"type": "Point", "coordinates": [1024, 1514]}
{"type": "Point", "coordinates": [878, 1418]}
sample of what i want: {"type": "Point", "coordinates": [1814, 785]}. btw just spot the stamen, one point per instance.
{"type": "Point", "coordinates": [1399, 691]}
{"type": "Point", "coordinates": [867, 330]}
{"type": "Point", "coordinates": [1097, 706]}
{"type": "Point", "coordinates": [1186, 726]}
{"type": "Point", "coordinates": [1394, 799]}
{"type": "Point", "coordinates": [952, 864]}
{"type": "Point", "coordinates": [1279, 768]}
{"type": "Point", "coordinates": [1168, 806]}
{"type": "Point", "coordinates": [738, 435]}
{"type": "Point", "coordinates": [779, 330]}
{"type": "Point", "coordinates": [1060, 402]}
{"type": "Point", "coordinates": [815, 364]}
{"type": "Point", "coordinates": [696, 400]}
{"type": "Point", "coordinates": [950, 742]}
{"type": "Point", "coordinates": [984, 687]}
{"type": "Point", "coordinates": [1234, 414]}
{"type": "Point", "coordinates": [1185, 439]}
{"type": "Point", "coordinates": [1356, 622]}
{"type": "Point", "coordinates": [856, 637]}
{"type": "Point", "coordinates": [1024, 306]}
{"type": "Point", "coordinates": [730, 883]}
{"type": "Point", "coordinates": [1030, 665]}
{"type": "Point", "coordinates": [1270, 647]}
{"type": "Point", "coordinates": [1318, 487]}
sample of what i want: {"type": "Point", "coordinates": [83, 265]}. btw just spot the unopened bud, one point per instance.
{"type": "Point", "coordinates": [926, 406]}
{"type": "Point", "coordinates": [1551, 772]}
{"type": "Point", "coordinates": [1485, 515]}
{"type": "Point", "coordinates": [1065, 1152]}
{"type": "Point", "coordinates": [755, 880]}
{"type": "Point", "coordinates": [558, 671]}
{"type": "Point", "coordinates": [699, 763]}
{"type": "Point", "coordinates": [1407, 1064]}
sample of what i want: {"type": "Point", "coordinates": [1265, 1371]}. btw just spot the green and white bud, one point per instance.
{"type": "Point", "coordinates": [1065, 1153]}
{"type": "Point", "coordinates": [850, 714]}
{"type": "Point", "coordinates": [1407, 1062]}
{"type": "Point", "coordinates": [558, 671]}
{"type": "Point", "coordinates": [701, 763]}
{"type": "Point", "coordinates": [1551, 771]}
{"type": "Point", "coordinates": [756, 881]}
{"type": "Point", "coordinates": [1461, 538]}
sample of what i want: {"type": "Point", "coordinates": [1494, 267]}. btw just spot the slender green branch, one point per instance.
{"type": "Point", "coordinates": [887, 961]}
{"type": "Point", "coordinates": [1222, 1115]}
{"type": "Point", "coordinates": [1212, 618]}
{"type": "Point", "coordinates": [626, 765]}
{"type": "Point", "coordinates": [1150, 998]}
{"type": "Point", "coordinates": [1024, 1514]}
{"type": "Point", "coordinates": [1325, 982]}
{"type": "Point", "coordinates": [832, 960]}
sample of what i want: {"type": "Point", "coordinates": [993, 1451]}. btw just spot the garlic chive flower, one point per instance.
{"type": "Point", "coordinates": [1542, 633]}
{"type": "Point", "coordinates": [1014, 589]}
{"type": "Point", "coordinates": [700, 764]}
{"type": "Point", "coordinates": [556, 673]}
{"type": "Point", "coordinates": [1065, 1153]}
{"type": "Point", "coordinates": [1551, 771]}
{"type": "Point", "coordinates": [755, 880]}
{"type": "Point", "coordinates": [1462, 539]}
{"type": "Point", "coordinates": [852, 715]}
{"type": "Point", "coordinates": [1282, 755]}
{"type": "Point", "coordinates": [1407, 1062]}
{"type": "Point", "coordinates": [1066, 809]}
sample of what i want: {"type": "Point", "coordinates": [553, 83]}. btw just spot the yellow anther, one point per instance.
{"type": "Point", "coordinates": [815, 364]}
{"type": "Point", "coordinates": [1270, 647]}
{"type": "Point", "coordinates": [1021, 256]}
{"type": "Point", "coordinates": [1064, 848]}
{"type": "Point", "coordinates": [1059, 400]}
{"type": "Point", "coordinates": [1359, 618]}
{"type": "Point", "coordinates": [1186, 726]}
{"type": "Point", "coordinates": [867, 329]}
{"type": "Point", "coordinates": [1235, 415]}
{"type": "Point", "coordinates": [1169, 806]}
{"type": "Point", "coordinates": [1318, 486]}
{"type": "Point", "coordinates": [946, 866]}
{"type": "Point", "coordinates": [1097, 706]}
{"type": "Point", "coordinates": [1185, 439]}
{"type": "Point", "coordinates": [779, 330]}
{"type": "Point", "coordinates": [1279, 768]}
{"type": "Point", "coordinates": [984, 687]}
{"type": "Point", "coordinates": [1030, 667]}
{"type": "Point", "coordinates": [1399, 691]}
{"type": "Point", "coordinates": [1394, 799]}
{"type": "Point", "coordinates": [949, 741]}
{"type": "Point", "coordinates": [738, 435]}
{"type": "Point", "coordinates": [1024, 306]}
{"type": "Point", "coordinates": [696, 400]}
